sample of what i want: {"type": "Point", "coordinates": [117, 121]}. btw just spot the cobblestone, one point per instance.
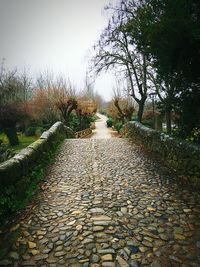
{"type": "Point", "coordinates": [106, 203]}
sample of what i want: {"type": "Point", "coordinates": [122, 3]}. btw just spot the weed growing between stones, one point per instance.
{"type": "Point", "coordinates": [16, 197]}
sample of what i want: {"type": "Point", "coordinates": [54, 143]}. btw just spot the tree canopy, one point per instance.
{"type": "Point", "coordinates": [156, 44]}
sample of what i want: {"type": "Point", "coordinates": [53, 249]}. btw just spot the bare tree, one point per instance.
{"type": "Point", "coordinates": [61, 94]}
{"type": "Point", "coordinates": [116, 50]}
{"type": "Point", "coordinates": [123, 103]}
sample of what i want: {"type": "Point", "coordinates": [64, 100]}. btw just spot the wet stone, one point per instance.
{"type": "Point", "coordinates": [108, 264]}
{"type": "Point", "coordinates": [62, 237]}
{"type": "Point", "coordinates": [79, 227]}
{"type": "Point", "coordinates": [122, 262]}
{"type": "Point", "coordinates": [46, 251]}
{"type": "Point", "coordinates": [31, 245]}
{"type": "Point", "coordinates": [5, 262]}
{"type": "Point", "coordinates": [87, 240]}
{"type": "Point", "coordinates": [13, 255]}
{"type": "Point", "coordinates": [106, 251]}
{"type": "Point", "coordinates": [107, 257]}
{"type": "Point", "coordinates": [156, 263]}
{"type": "Point", "coordinates": [40, 257]}
{"type": "Point", "coordinates": [95, 258]}
{"type": "Point", "coordinates": [96, 210]}
{"type": "Point", "coordinates": [59, 248]}
{"type": "Point", "coordinates": [35, 252]}
{"type": "Point", "coordinates": [107, 203]}
{"type": "Point", "coordinates": [28, 263]}
{"type": "Point", "coordinates": [134, 263]}
{"type": "Point", "coordinates": [60, 253]}
{"type": "Point", "coordinates": [98, 228]}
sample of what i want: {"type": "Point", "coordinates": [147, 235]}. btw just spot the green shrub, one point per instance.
{"type": "Point", "coordinates": [118, 126]}
{"type": "Point", "coordinates": [5, 153]}
{"type": "Point", "coordinates": [39, 131]}
{"type": "Point", "coordinates": [74, 122]}
{"type": "Point", "coordinates": [93, 118]}
{"type": "Point", "coordinates": [30, 131]}
{"type": "Point", "coordinates": [103, 112]}
{"type": "Point", "coordinates": [148, 123]}
{"type": "Point", "coordinates": [195, 136]}
{"type": "Point", "coordinates": [109, 122]}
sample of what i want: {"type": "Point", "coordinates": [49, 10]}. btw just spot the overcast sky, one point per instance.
{"type": "Point", "coordinates": [54, 35]}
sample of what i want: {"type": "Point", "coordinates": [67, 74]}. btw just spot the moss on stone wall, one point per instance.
{"type": "Point", "coordinates": [12, 169]}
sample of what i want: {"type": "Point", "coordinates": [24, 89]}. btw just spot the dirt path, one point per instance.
{"type": "Point", "coordinates": [101, 131]}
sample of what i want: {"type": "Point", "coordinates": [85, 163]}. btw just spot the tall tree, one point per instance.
{"type": "Point", "coordinates": [179, 58]}
{"type": "Point", "coordinates": [167, 97]}
{"type": "Point", "coordinates": [168, 32]}
{"type": "Point", "coordinates": [116, 50]}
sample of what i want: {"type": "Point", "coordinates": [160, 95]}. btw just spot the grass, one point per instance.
{"type": "Point", "coordinates": [24, 141]}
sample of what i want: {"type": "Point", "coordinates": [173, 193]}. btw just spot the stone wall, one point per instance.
{"type": "Point", "coordinates": [178, 154]}
{"type": "Point", "coordinates": [83, 133]}
{"type": "Point", "coordinates": [19, 166]}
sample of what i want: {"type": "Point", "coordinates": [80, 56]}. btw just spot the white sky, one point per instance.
{"type": "Point", "coordinates": [54, 35]}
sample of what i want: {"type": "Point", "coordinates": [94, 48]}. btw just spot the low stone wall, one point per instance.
{"type": "Point", "coordinates": [83, 133]}
{"type": "Point", "coordinates": [178, 154]}
{"type": "Point", "coordinates": [18, 166]}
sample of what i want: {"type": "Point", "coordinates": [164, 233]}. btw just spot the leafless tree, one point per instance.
{"type": "Point", "coordinates": [116, 50]}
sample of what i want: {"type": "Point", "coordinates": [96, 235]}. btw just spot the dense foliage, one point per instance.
{"type": "Point", "coordinates": [169, 33]}
{"type": "Point", "coordinates": [12, 104]}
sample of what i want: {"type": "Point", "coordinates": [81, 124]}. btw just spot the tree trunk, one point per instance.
{"type": "Point", "coordinates": [11, 133]}
{"type": "Point", "coordinates": [168, 122]}
{"type": "Point", "coordinates": [122, 119]}
{"type": "Point", "coordinates": [141, 110]}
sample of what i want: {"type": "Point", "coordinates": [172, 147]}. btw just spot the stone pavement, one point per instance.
{"type": "Point", "coordinates": [106, 203]}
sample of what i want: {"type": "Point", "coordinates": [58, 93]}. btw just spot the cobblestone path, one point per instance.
{"type": "Point", "coordinates": [101, 131]}
{"type": "Point", "coordinates": [105, 203]}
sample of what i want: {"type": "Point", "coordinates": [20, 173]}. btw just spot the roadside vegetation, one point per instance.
{"type": "Point", "coordinates": [15, 197]}
{"type": "Point", "coordinates": [153, 48]}
{"type": "Point", "coordinates": [30, 106]}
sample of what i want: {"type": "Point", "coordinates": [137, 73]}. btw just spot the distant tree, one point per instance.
{"type": "Point", "coordinates": [120, 108]}
{"type": "Point", "coordinates": [12, 104]}
{"type": "Point", "coordinates": [125, 111]}
{"type": "Point", "coordinates": [42, 108]}
{"type": "Point", "coordinates": [66, 106]}
{"type": "Point", "coordinates": [124, 105]}
{"type": "Point", "coordinates": [88, 94]}
{"type": "Point", "coordinates": [57, 94]}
